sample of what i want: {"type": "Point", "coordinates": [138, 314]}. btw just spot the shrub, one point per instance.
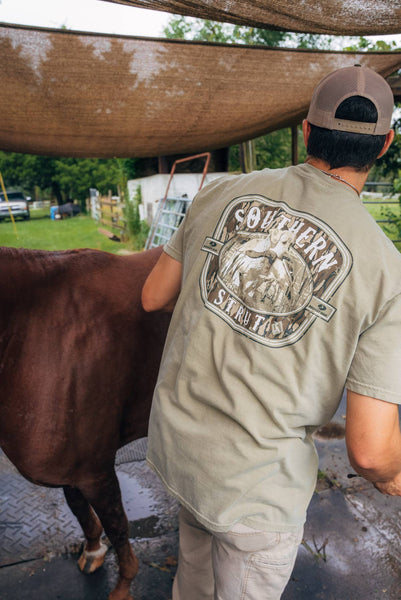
{"type": "Point", "coordinates": [137, 230]}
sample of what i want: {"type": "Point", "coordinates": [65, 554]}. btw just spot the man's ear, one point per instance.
{"type": "Point", "coordinates": [387, 143]}
{"type": "Point", "coordinates": [306, 128]}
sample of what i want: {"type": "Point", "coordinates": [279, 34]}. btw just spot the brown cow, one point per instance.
{"type": "Point", "coordinates": [78, 363]}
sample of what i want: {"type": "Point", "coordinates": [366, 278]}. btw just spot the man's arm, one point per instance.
{"type": "Point", "coordinates": [162, 287]}
{"type": "Point", "coordinates": [373, 440]}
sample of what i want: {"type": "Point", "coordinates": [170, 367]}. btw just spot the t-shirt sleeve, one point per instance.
{"type": "Point", "coordinates": [175, 246]}
{"type": "Point", "coordinates": [376, 366]}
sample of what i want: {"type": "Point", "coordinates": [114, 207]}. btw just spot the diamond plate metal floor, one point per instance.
{"type": "Point", "coordinates": [40, 538]}
{"type": "Point", "coordinates": [35, 522]}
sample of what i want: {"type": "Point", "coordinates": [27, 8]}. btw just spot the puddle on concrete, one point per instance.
{"type": "Point", "coordinates": [331, 431]}
{"type": "Point", "coordinates": [139, 507]}
{"type": "Point", "coordinates": [138, 501]}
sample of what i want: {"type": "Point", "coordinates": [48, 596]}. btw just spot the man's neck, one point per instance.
{"type": "Point", "coordinates": [346, 175]}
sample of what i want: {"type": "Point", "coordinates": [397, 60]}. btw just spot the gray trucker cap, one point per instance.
{"type": "Point", "coordinates": [347, 82]}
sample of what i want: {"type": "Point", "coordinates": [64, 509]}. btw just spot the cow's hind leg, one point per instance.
{"type": "Point", "coordinates": [105, 497]}
{"type": "Point", "coordinates": [94, 550]}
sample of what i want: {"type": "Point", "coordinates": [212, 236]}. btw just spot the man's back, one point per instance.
{"type": "Point", "coordinates": [282, 273]}
{"type": "Point", "coordinates": [285, 290]}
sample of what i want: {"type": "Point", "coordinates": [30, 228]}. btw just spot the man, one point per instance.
{"type": "Point", "coordinates": [285, 291]}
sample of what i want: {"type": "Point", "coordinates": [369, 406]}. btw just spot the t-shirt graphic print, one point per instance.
{"type": "Point", "coordinates": [271, 270]}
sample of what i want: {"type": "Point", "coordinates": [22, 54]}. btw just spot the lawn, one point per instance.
{"type": "Point", "coordinates": [383, 212]}
{"type": "Point", "coordinates": [40, 232]}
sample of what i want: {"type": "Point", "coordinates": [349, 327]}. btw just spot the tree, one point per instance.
{"type": "Point", "coordinates": [313, 41]}
{"type": "Point", "coordinates": [365, 44]}
{"type": "Point", "coordinates": [76, 176]}
{"type": "Point", "coordinates": [189, 28]}
{"type": "Point", "coordinates": [389, 165]}
{"type": "Point", "coordinates": [27, 171]}
{"type": "Point", "coordinates": [65, 178]}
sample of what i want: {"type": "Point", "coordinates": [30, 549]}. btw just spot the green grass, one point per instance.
{"type": "Point", "coordinates": [42, 233]}
{"type": "Point", "coordinates": [384, 211]}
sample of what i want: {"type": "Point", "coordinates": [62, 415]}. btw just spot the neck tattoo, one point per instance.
{"type": "Point", "coordinates": [338, 178]}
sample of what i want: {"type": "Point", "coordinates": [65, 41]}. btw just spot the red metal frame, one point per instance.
{"type": "Point", "coordinates": [207, 155]}
{"type": "Point", "coordinates": [181, 160]}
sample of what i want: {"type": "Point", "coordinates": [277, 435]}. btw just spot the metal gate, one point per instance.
{"type": "Point", "coordinates": [169, 215]}
{"type": "Point", "coordinates": [171, 211]}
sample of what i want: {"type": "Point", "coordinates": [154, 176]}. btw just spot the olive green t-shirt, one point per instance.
{"type": "Point", "coordinates": [290, 291]}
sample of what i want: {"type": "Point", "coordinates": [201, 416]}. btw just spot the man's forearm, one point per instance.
{"type": "Point", "coordinates": [373, 439]}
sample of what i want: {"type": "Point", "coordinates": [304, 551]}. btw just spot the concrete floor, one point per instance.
{"type": "Point", "coordinates": [351, 548]}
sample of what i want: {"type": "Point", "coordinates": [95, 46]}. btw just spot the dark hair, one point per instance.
{"type": "Point", "coordinates": [344, 149]}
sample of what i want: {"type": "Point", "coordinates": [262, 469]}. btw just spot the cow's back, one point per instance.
{"type": "Point", "coordinates": [78, 359]}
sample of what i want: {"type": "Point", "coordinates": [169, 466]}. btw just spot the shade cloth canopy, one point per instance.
{"type": "Point", "coordinates": [341, 17]}
{"type": "Point", "coordinates": [89, 95]}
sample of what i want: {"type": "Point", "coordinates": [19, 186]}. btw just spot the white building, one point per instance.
{"type": "Point", "coordinates": [153, 189]}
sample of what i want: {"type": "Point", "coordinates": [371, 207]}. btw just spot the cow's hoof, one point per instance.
{"type": "Point", "coordinates": [121, 591]}
{"type": "Point", "coordinates": [117, 596]}
{"type": "Point", "coordinates": [90, 561]}
{"type": "Point", "coordinates": [120, 595]}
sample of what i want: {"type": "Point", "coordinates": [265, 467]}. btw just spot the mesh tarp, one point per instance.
{"type": "Point", "coordinates": [90, 95]}
{"type": "Point", "coordinates": [341, 17]}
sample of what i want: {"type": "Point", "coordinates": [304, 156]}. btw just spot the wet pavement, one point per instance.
{"type": "Point", "coordinates": [351, 548]}
{"type": "Point", "coordinates": [40, 540]}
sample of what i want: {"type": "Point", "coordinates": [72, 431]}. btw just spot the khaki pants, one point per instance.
{"type": "Point", "coordinates": [242, 564]}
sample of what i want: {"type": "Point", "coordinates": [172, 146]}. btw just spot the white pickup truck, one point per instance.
{"type": "Point", "coordinates": [17, 203]}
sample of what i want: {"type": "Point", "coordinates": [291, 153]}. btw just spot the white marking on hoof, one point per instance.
{"type": "Point", "coordinates": [96, 553]}
{"type": "Point", "coordinates": [91, 560]}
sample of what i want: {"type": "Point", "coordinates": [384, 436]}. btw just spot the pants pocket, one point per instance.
{"type": "Point", "coordinates": [267, 572]}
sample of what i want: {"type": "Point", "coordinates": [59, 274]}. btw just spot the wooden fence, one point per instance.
{"type": "Point", "coordinates": [110, 212]}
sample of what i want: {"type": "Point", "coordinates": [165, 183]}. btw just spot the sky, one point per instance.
{"type": "Point", "coordinates": [85, 15]}
{"type": "Point", "coordinates": [92, 15]}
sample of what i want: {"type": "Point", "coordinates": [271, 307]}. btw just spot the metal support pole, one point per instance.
{"type": "Point", "coordinates": [294, 145]}
{"type": "Point", "coordinates": [8, 205]}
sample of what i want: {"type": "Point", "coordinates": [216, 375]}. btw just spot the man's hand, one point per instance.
{"type": "Point", "coordinates": [391, 487]}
